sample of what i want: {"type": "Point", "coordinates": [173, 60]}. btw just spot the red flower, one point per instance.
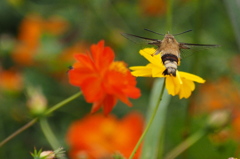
{"type": "Point", "coordinates": [102, 80]}
{"type": "Point", "coordinates": [97, 136]}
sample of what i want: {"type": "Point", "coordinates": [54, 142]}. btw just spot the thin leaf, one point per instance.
{"type": "Point", "coordinates": [233, 7]}
{"type": "Point", "coordinates": [152, 145]}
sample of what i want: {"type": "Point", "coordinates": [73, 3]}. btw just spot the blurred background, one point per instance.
{"type": "Point", "coordinates": [39, 37]}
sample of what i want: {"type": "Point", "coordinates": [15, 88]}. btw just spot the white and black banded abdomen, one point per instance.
{"type": "Point", "coordinates": [170, 61]}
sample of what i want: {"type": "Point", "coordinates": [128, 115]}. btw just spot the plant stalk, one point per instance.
{"type": "Point", "coordinates": [33, 121]}
{"type": "Point", "coordinates": [149, 123]}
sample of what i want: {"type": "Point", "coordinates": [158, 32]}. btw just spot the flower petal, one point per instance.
{"type": "Point", "coordinates": [84, 72]}
{"type": "Point", "coordinates": [83, 61]}
{"type": "Point", "coordinates": [96, 106]}
{"type": "Point", "coordinates": [191, 77]}
{"type": "Point", "coordinates": [108, 103]}
{"type": "Point", "coordinates": [186, 88]}
{"type": "Point", "coordinates": [123, 88]}
{"type": "Point", "coordinates": [172, 85]}
{"type": "Point", "coordinates": [102, 56]}
{"type": "Point", "coordinates": [157, 71]}
{"type": "Point", "coordinates": [156, 59]}
{"type": "Point", "coordinates": [141, 71]}
{"type": "Point", "coordinates": [92, 90]}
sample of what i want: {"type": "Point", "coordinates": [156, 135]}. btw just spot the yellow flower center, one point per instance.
{"type": "Point", "coordinates": [118, 66]}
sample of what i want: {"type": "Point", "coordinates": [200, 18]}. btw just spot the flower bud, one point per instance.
{"type": "Point", "coordinates": [48, 154]}
{"type": "Point", "coordinates": [37, 102]}
{"type": "Point", "coordinates": [218, 119]}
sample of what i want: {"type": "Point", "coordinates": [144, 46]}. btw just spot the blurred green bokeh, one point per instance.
{"type": "Point", "coordinates": [213, 22]}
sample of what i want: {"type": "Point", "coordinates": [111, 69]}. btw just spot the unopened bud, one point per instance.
{"type": "Point", "coordinates": [58, 153]}
{"type": "Point", "coordinates": [48, 154]}
{"type": "Point", "coordinates": [37, 102]}
{"type": "Point", "coordinates": [218, 119]}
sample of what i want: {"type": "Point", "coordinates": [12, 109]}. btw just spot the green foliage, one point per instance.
{"type": "Point", "coordinates": [213, 22]}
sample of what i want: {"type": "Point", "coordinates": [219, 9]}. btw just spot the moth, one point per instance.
{"type": "Point", "coordinates": [169, 48]}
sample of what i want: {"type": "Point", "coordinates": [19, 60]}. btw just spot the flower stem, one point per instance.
{"type": "Point", "coordinates": [62, 103]}
{"type": "Point", "coordinates": [186, 144]}
{"type": "Point", "coordinates": [48, 133]}
{"type": "Point", "coordinates": [33, 121]}
{"type": "Point", "coordinates": [149, 123]}
{"type": "Point", "coordinates": [29, 124]}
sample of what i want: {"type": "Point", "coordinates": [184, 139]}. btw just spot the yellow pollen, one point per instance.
{"type": "Point", "coordinates": [118, 66]}
{"type": "Point", "coordinates": [179, 78]}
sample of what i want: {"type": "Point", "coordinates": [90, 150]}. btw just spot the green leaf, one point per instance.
{"type": "Point", "coordinates": [153, 142]}
{"type": "Point", "coordinates": [233, 7]}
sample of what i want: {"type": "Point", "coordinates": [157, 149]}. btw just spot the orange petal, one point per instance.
{"type": "Point", "coordinates": [108, 103]}
{"type": "Point", "coordinates": [92, 90]}
{"type": "Point", "coordinates": [84, 61]}
{"type": "Point", "coordinates": [96, 106]}
{"type": "Point", "coordinates": [102, 56]}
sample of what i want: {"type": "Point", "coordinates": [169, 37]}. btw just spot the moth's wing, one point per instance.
{"type": "Point", "coordinates": [143, 41]}
{"type": "Point", "coordinates": [188, 49]}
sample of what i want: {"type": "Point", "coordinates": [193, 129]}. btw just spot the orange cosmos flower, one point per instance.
{"type": "Point", "coordinates": [153, 7]}
{"type": "Point", "coordinates": [10, 80]}
{"type": "Point", "coordinates": [98, 136]}
{"type": "Point", "coordinates": [31, 30]}
{"type": "Point", "coordinates": [222, 94]}
{"type": "Point", "coordinates": [102, 80]}
{"type": "Point", "coordinates": [29, 37]}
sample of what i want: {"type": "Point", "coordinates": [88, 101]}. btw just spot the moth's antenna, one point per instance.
{"type": "Point", "coordinates": [182, 32]}
{"type": "Point", "coordinates": [154, 32]}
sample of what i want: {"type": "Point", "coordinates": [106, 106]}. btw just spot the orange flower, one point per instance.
{"type": "Point", "coordinates": [153, 7]}
{"type": "Point", "coordinates": [10, 80]}
{"type": "Point", "coordinates": [55, 25]}
{"type": "Point", "coordinates": [31, 30]}
{"type": "Point", "coordinates": [220, 95]}
{"type": "Point", "coordinates": [217, 95]}
{"type": "Point", "coordinates": [102, 80]}
{"type": "Point", "coordinates": [98, 136]}
{"type": "Point", "coordinates": [29, 37]}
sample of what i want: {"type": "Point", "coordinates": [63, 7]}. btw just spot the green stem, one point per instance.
{"type": "Point", "coordinates": [48, 133]}
{"type": "Point", "coordinates": [169, 15]}
{"type": "Point", "coordinates": [62, 103]}
{"type": "Point", "coordinates": [149, 123]}
{"type": "Point", "coordinates": [33, 121]}
{"type": "Point", "coordinates": [29, 124]}
{"type": "Point", "coordinates": [186, 144]}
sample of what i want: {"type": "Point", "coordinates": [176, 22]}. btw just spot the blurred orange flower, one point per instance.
{"type": "Point", "coordinates": [217, 95]}
{"type": "Point", "coordinates": [55, 25]}
{"type": "Point", "coordinates": [102, 80]}
{"type": "Point", "coordinates": [220, 95]}
{"type": "Point", "coordinates": [98, 136]}
{"type": "Point", "coordinates": [29, 36]}
{"type": "Point", "coordinates": [235, 64]}
{"type": "Point", "coordinates": [10, 80]}
{"type": "Point", "coordinates": [153, 7]}
{"type": "Point", "coordinates": [65, 59]}
{"type": "Point", "coordinates": [68, 53]}
{"type": "Point", "coordinates": [30, 32]}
